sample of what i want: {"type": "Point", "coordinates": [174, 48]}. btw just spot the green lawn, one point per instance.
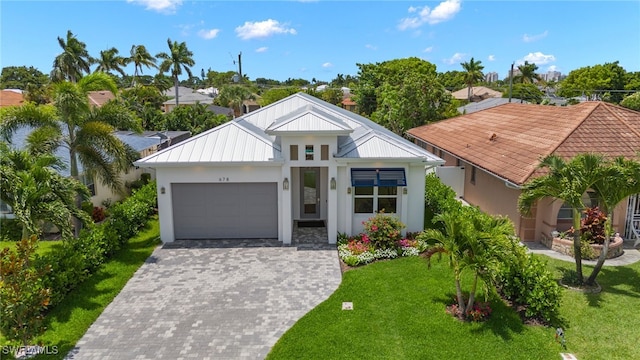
{"type": "Point", "coordinates": [399, 314]}
{"type": "Point", "coordinates": [43, 246]}
{"type": "Point", "coordinates": [67, 322]}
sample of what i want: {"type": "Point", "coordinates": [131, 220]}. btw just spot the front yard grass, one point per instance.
{"type": "Point", "coordinates": [67, 322]}
{"type": "Point", "coordinates": [43, 246]}
{"type": "Point", "coordinates": [398, 313]}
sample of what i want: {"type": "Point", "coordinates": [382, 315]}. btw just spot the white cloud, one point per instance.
{"type": "Point", "coordinates": [327, 65]}
{"type": "Point", "coordinates": [455, 58]}
{"type": "Point", "coordinates": [162, 6]}
{"type": "Point", "coordinates": [372, 47]}
{"type": "Point", "coordinates": [428, 50]}
{"type": "Point", "coordinates": [262, 29]}
{"type": "Point", "coordinates": [491, 58]}
{"type": "Point", "coordinates": [531, 38]}
{"type": "Point", "coordinates": [425, 15]}
{"type": "Point", "coordinates": [552, 68]}
{"type": "Point", "coordinates": [262, 49]}
{"type": "Point", "coordinates": [208, 34]}
{"type": "Point", "coordinates": [537, 58]}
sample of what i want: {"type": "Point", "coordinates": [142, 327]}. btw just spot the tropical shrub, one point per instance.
{"type": "Point", "coordinates": [593, 226]}
{"type": "Point", "coordinates": [526, 281]}
{"type": "Point", "coordinates": [23, 293]}
{"type": "Point", "coordinates": [438, 198]}
{"type": "Point", "coordinates": [98, 214]}
{"type": "Point", "coordinates": [383, 230]}
{"type": "Point", "coordinates": [10, 230]}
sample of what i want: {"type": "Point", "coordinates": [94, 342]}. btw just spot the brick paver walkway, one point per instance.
{"type": "Point", "coordinates": [211, 300]}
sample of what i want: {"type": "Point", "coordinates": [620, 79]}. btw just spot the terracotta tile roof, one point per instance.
{"type": "Point", "coordinates": [348, 101]}
{"type": "Point", "coordinates": [99, 98]}
{"type": "Point", "coordinates": [478, 91]}
{"type": "Point", "coordinates": [509, 140]}
{"type": "Point", "coordinates": [11, 98]}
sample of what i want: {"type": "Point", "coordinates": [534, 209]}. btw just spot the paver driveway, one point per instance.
{"type": "Point", "coordinates": [211, 303]}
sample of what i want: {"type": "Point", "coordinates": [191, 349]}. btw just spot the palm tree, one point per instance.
{"type": "Point", "coordinates": [178, 58]}
{"type": "Point", "coordinates": [140, 57]}
{"type": "Point", "coordinates": [36, 191]}
{"type": "Point", "coordinates": [472, 74]}
{"type": "Point", "coordinates": [74, 60]}
{"type": "Point", "coordinates": [567, 181]}
{"type": "Point", "coordinates": [233, 96]}
{"type": "Point", "coordinates": [87, 132]}
{"type": "Point", "coordinates": [621, 179]}
{"type": "Point", "coordinates": [527, 73]}
{"type": "Point", "coordinates": [472, 242]}
{"type": "Point", "coordinates": [110, 61]}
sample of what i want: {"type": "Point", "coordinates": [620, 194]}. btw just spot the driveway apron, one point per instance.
{"type": "Point", "coordinates": [211, 302]}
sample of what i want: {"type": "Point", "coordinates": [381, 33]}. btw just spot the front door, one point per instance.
{"type": "Point", "coordinates": [310, 193]}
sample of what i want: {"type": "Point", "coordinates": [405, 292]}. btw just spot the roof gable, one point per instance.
{"type": "Point", "coordinates": [309, 119]}
{"type": "Point", "coordinates": [510, 140]}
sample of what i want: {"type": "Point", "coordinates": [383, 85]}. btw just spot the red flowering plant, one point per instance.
{"type": "Point", "coordinates": [383, 230]}
{"type": "Point", "coordinates": [592, 226]}
{"type": "Point", "coordinates": [480, 311]}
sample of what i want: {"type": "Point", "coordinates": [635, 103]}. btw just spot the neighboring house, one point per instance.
{"type": "Point", "coordinates": [487, 104]}
{"type": "Point", "coordinates": [349, 104]}
{"type": "Point", "coordinates": [11, 97]}
{"type": "Point", "coordinates": [221, 110]}
{"type": "Point", "coordinates": [491, 153]}
{"type": "Point", "coordinates": [171, 92]}
{"type": "Point", "coordinates": [99, 98]}
{"type": "Point", "coordinates": [297, 159]}
{"type": "Point", "coordinates": [478, 93]}
{"type": "Point", "coordinates": [249, 106]}
{"type": "Point", "coordinates": [187, 99]}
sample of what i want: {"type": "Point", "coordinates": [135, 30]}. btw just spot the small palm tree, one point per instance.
{"type": "Point", "coordinates": [178, 58]}
{"type": "Point", "coordinates": [472, 74]}
{"type": "Point", "coordinates": [566, 181]}
{"type": "Point", "coordinates": [140, 57]}
{"type": "Point", "coordinates": [527, 73]}
{"type": "Point", "coordinates": [32, 185]}
{"type": "Point", "coordinates": [233, 96]}
{"type": "Point", "coordinates": [87, 132]}
{"type": "Point", "coordinates": [73, 62]}
{"type": "Point", "coordinates": [110, 61]}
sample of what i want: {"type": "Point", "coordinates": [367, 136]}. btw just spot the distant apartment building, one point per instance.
{"type": "Point", "coordinates": [516, 72]}
{"type": "Point", "coordinates": [552, 76]}
{"type": "Point", "coordinates": [491, 77]}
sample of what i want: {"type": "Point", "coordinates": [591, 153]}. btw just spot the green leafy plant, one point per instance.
{"type": "Point", "coordinates": [23, 294]}
{"type": "Point", "coordinates": [383, 230]}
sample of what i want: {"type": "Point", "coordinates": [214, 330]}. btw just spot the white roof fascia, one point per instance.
{"type": "Point", "coordinates": [387, 161]}
{"type": "Point", "coordinates": [273, 162]}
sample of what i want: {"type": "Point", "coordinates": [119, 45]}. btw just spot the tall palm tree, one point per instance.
{"type": "Point", "coordinates": [527, 73]}
{"type": "Point", "coordinates": [73, 62]}
{"type": "Point", "coordinates": [87, 132]}
{"type": "Point", "coordinates": [36, 191]}
{"type": "Point", "coordinates": [110, 61]}
{"type": "Point", "coordinates": [140, 57]}
{"type": "Point", "coordinates": [178, 58]}
{"type": "Point", "coordinates": [567, 181]}
{"type": "Point", "coordinates": [472, 74]}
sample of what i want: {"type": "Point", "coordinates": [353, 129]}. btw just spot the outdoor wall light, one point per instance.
{"type": "Point", "coordinates": [333, 183]}
{"type": "Point", "coordinates": [162, 190]}
{"type": "Point", "coordinates": [404, 190]}
{"type": "Point", "coordinates": [349, 190]}
{"type": "Point", "coordinates": [285, 184]}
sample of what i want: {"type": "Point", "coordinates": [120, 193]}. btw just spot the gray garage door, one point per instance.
{"type": "Point", "coordinates": [225, 211]}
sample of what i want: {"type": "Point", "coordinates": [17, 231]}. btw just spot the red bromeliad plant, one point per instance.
{"type": "Point", "coordinates": [593, 226]}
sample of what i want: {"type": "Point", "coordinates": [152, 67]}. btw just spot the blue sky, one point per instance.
{"type": "Point", "coordinates": [319, 39]}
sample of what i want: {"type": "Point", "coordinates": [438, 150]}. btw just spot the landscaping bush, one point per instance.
{"type": "Point", "coordinates": [68, 269]}
{"type": "Point", "coordinates": [23, 293]}
{"type": "Point", "coordinates": [383, 230]}
{"type": "Point", "coordinates": [10, 230]}
{"type": "Point", "coordinates": [526, 281]}
{"type": "Point", "coordinates": [98, 214]}
{"type": "Point", "coordinates": [438, 198]}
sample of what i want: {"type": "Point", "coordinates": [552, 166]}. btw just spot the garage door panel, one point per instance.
{"type": "Point", "coordinates": [225, 211]}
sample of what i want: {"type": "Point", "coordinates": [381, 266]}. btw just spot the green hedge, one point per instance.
{"type": "Point", "coordinates": [438, 198]}
{"type": "Point", "coordinates": [78, 258]}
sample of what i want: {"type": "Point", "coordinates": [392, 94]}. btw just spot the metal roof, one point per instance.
{"type": "Point", "coordinates": [309, 120]}
{"type": "Point", "coordinates": [255, 137]}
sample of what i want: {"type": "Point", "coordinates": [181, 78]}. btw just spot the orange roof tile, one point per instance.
{"type": "Point", "coordinates": [509, 140]}
{"type": "Point", "coordinates": [99, 98]}
{"type": "Point", "coordinates": [348, 101]}
{"type": "Point", "coordinates": [10, 98]}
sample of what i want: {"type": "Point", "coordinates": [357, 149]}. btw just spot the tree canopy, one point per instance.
{"type": "Point", "coordinates": [19, 77]}
{"type": "Point", "coordinates": [595, 81]}
{"type": "Point", "coordinates": [401, 94]}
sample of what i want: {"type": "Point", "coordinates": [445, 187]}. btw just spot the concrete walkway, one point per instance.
{"type": "Point", "coordinates": [211, 300]}
{"type": "Point", "coordinates": [629, 256]}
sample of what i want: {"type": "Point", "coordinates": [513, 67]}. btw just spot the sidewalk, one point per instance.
{"type": "Point", "coordinates": [630, 255]}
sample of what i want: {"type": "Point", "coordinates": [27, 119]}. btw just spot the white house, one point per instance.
{"type": "Point", "coordinates": [297, 159]}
